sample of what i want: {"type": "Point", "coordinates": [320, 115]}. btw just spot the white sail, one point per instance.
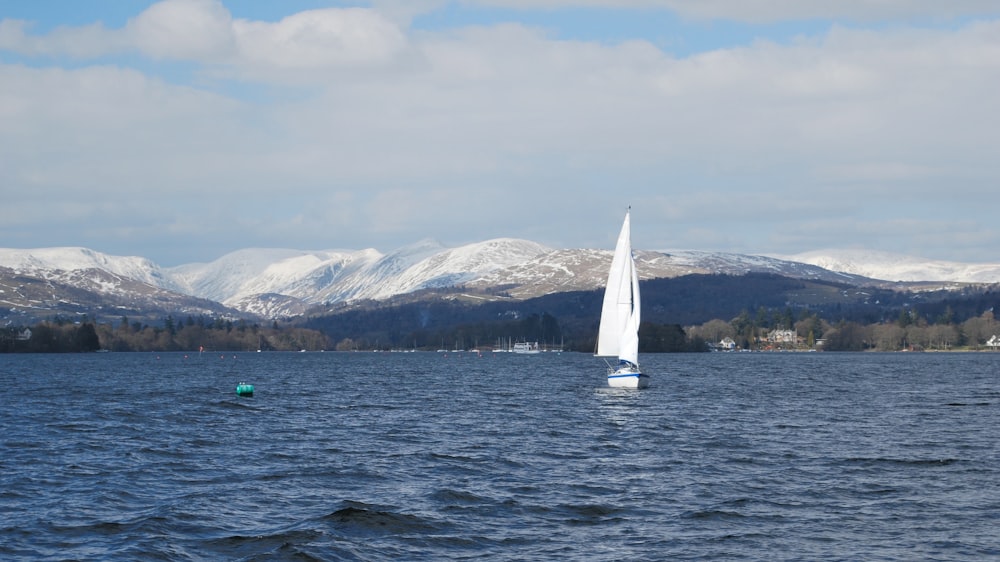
{"type": "Point", "coordinates": [628, 349]}
{"type": "Point", "coordinates": [619, 332]}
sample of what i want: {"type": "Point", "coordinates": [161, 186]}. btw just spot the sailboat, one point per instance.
{"type": "Point", "coordinates": [618, 335]}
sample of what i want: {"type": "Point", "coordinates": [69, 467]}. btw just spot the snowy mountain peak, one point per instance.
{"type": "Point", "coordinates": [280, 282]}
{"type": "Point", "coordinates": [73, 258]}
{"type": "Point", "coordinates": [457, 266]}
{"type": "Point", "coordinates": [898, 267]}
{"type": "Point", "coordinates": [238, 274]}
{"type": "Point", "coordinates": [244, 277]}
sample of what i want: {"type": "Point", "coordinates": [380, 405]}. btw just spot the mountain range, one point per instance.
{"type": "Point", "coordinates": [278, 283]}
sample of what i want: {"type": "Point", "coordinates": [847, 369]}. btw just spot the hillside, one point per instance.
{"type": "Point", "coordinates": [26, 298]}
{"type": "Point", "coordinates": [897, 267]}
{"type": "Point", "coordinates": [263, 284]}
{"type": "Point", "coordinates": [462, 319]}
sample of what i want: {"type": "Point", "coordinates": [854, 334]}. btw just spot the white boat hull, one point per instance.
{"type": "Point", "coordinates": [627, 378]}
{"type": "Point", "coordinates": [526, 348]}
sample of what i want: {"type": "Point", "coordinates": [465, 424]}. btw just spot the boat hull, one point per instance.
{"type": "Point", "coordinates": [526, 348]}
{"type": "Point", "coordinates": [627, 379]}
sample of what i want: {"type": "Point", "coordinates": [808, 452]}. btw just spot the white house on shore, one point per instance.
{"type": "Point", "coordinates": [782, 336]}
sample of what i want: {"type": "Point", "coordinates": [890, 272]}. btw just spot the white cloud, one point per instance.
{"type": "Point", "coordinates": [204, 31]}
{"type": "Point", "coordinates": [184, 30]}
{"type": "Point", "coordinates": [78, 42]}
{"type": "Point", "coordinates": [396, 127]}
{"type": "Point", "coordinates": [319, 38]}
{"type": "Point", "coordinates": [857, 10]}
{"type": "Point", "coordinates": [761, 11]}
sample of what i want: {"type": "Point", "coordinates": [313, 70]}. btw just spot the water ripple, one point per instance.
{"type": "Point", "coordinates": [422, 457]}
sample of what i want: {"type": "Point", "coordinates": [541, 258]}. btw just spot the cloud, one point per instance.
{"type": "Point", "coordinates": [77, 42]}
{"type": "Point", "coordinates": [348, 130]}
{"type": "Point", "coordinates": [319, 38]}
{"type": "Point", "coordinates": [184, 30]}
{"type": "Point", "coordinates": [759, 11]}
{"type": "Point", "coordinates": [204, 31]}
{"type": "Point", "coordinates": [763, 11]}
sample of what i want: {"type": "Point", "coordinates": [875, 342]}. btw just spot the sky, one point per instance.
{"type": "Point", "coordinates": [181, 130]}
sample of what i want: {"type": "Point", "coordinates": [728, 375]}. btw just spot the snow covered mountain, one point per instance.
{"type": "Point", "coordinates": [34, 289]}
{"type": "Point", "coordinates": [897, 267]}
{"type": "Point", "coordinates": [274, 283]}
{"type": "Point", "coordinates": [574, 270]}
{"type": "Point", "coordinates": [257, 271]}
{"type": "Point", "coordinates": [45, 261]}
{"type": "Point", "coordinates": [252, 279]}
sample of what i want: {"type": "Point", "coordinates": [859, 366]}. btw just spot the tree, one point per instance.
{"type": "Point", "coordinates": [660, 338]}
{"type": "Point", "coordinates": [888, 337]}
{"type": "Point", "coordinates": [917, 337]}
{"type": "Point", "coordinates": [86, 338]}
{"type": "Point", "coordinates": [943, 336]}
{"type": "Point", "coordinates": [946, 317]}
{"type": "Point", "coordinates": [980, 329]}
{"type": "Point", "coordinates": [847, 336]}
{"type": "Point", "coordinates": [713, 331]}
{"type": "Point", "coordinates": [810, 324]}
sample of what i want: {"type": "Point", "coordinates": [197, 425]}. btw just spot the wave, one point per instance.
{"type": "Point", "coordinates": [358, 517]}
{"type": "Point", "coordinates": [901, 461]}
{"type": "Point", "coordinates": [591, 514]}
{"type": "Point", "coordinates": [452, 497]}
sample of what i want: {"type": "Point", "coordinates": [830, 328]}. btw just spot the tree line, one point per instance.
{"type": "Point", "coordinates": [61, 335]}
{"type": "Point", "coordinates": [909, 331]}
{"type": "Point", "coordinates": [682, 314]}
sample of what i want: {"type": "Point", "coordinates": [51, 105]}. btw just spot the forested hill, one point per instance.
{"type": "Point", "coordinates": [571, 318]}
{"type": "Point", "coordinates": [747, 306]}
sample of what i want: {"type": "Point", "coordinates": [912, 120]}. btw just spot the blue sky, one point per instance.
{"type": "Point", "coordinates": [181, 130]}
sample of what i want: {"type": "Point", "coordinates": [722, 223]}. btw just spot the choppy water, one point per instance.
{"type": "Point", "coordinates": [422, 456]}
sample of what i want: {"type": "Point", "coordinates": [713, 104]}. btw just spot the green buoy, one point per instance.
{"type": "Point", "coordinates": [244, 389]}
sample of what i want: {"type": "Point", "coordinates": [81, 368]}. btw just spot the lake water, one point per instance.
{"type": "Point", "coordinates": [425, 456]}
